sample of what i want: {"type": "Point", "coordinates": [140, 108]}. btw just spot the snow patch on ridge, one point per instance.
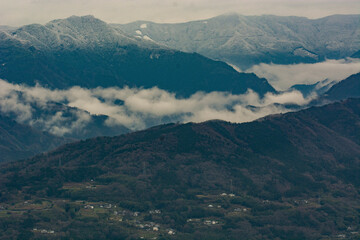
{"type": "Point", "coordinates": [146, 37]}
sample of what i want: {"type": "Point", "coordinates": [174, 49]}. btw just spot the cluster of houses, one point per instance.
{"type": "Point", "coordinates": [207, 222]}
{"type": "Point", "coordinates": [227, 195]}
{"type": "Point", "coordinates": [351, 232]}
{"type": "Point", "coordinates": [106, 205]}
{"type": "Point", "coordinates": [156, 211]}
{"type": "Point", "coordinates": [212, 206]}
{"type": "Point", "coordinates": [43, 231]}
{"type": "Point", "coordinates": [301, 202]}
{"type": "Point", "coordinates": [211, 222]}
{"type": "Point", "coordinates": [193, 220]}
{"type": "Point", "coordinates": [127, 213]}
{"type": "Point", "coordinates": [241, 210]}
{"type": "Point", "coordinates": [170, 231]}
{"type": "Point", "coordinates": [151, 226]}
{"type": "Point", "coordinates": [148, 226]}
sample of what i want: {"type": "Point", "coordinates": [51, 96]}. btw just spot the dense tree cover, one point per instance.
{"type": "Point", "coordinates": [290, 176]}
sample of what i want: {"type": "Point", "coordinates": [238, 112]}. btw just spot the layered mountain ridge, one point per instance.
{"type": "Point", "coordinates": [248, 40]}
{"type": "Point", "coordinates": [294, 174]}
{"type": "Point", "coordinates": [87, 52]}
{"type": "Point", "coordinates": [283, 176]}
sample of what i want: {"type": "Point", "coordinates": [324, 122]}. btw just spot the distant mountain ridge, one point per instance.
{"type": "Point", "coordinates": [77, 123]}
{"type": "Point", "coordinates": [356, 55]}
{"type": "Point", "coordinates": [73, 33]}
{"type": "Point", "coordinates": [318, 88]}
{"type": "Point", "coordinates": [248, 40]}
{"type": "Point", "coordinates": [18, 141]}
{"type": "Point", "coordinates": [88, 52]}
{"type": "Point", "coordinates": [4, 27]}
{"type": "Point", "coordinates": [347, 88]}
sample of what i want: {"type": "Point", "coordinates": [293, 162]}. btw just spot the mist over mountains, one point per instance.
{"type": "Point", "coordinates": [282, 77]}
{"type": "Point", "coordinates": [232, 127]}
{"type": "Point", "coordinates": [295, 174]}
{"type": "Point", "coordinates": [83, 113]}
{"type": "Point", "coordinates": [134, 108]}
{"type": "Point", "coordinates": [143, 83]}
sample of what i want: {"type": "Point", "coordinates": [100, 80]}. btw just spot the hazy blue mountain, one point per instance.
{"type": "Point", "coordinates": [296, 176]}
{"type": "Point", "coordinates": [19, 141]}
{"type": "Point", "coordinates": [318, 88]}
{"type": "Point", "coordinates": [348, 88]}
{"type": "Point", "coordinates": [88, 52]}
{"type": "Point", "coordinates": [356, 55]}
{"type": "Point", "coordinates": [248, 40]}
{"type": "Point", "coordinates": [70, 122]}
{"type": "Point", "coordinates": [73, 122]}
{"type": "Point", "coordinates": [6, 28]}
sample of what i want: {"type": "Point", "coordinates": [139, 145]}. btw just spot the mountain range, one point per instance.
{"type": "Point", "coordinates": [284, 176]}
{"type": "Point", "coordinates": [291, 176]}
{"type": "Point", "coordinates": [245, 41]}
{"type": "Point", "coordinates": [87, 52]}
{"type": "Point", "coordinates": [73, 123]}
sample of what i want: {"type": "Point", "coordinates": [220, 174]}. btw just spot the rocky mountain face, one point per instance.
{"type": "Point", "coordinates": [247, 40]}
{"type": "Point", "coordinates": [18, 141]}
{"type": "Point", "coordinates": [287, 176]}
{"type": "Point", "coordinates": [87, 52]}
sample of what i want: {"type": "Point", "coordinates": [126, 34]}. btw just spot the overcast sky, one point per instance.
{"type": "Point", "coordinates": [20, 12]}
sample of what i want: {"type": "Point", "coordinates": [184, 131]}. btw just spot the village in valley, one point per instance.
{"type": "Point", "coordinates": [213, 213]}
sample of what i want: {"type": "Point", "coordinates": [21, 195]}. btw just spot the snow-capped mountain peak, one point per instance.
{"type": "Point", "coordinates": [73, 32]}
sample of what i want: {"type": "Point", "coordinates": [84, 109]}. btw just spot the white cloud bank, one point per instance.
{"type": "Point", "coordinates": [281, 77]}
{"type": "Point", "coordinates": [136, 108]}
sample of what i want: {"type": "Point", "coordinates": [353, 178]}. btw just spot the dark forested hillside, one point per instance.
{"type": "Point", "coordinates": [356, 55]}
{"type": "Point", "coordinates": [18, 141]}
{"type": "Point", "coordinates": [291, 176]}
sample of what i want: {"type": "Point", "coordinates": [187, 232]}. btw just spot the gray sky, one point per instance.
{"type": "Point", "coordinates": [20, 12]}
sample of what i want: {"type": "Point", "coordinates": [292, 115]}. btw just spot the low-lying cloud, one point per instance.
{"type": "Point", "coordinates": [282, 77]}
{"type": "Point", "coordinates": [135, 108]}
